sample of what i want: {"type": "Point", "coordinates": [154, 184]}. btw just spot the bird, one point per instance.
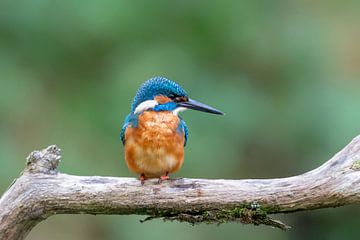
{"type": "Point", "coordinates": [153, 134]}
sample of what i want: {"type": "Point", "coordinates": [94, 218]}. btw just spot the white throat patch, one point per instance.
{"type": "Point", "coordinates": [145, 106]}
{"type": "Point", "coordinates": [178, 110]}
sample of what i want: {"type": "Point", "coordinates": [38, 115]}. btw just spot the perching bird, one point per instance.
{"type": "Point", "coordinates": [154, 135]}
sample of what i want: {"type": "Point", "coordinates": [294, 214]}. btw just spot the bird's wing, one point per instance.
{"type": "Point", "coordinates": [184, 129]}
{"type": "Point", "coordinates": [123, 129]}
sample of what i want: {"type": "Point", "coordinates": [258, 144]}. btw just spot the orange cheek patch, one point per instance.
{"type": "Point", "coordinates": [161, 99]}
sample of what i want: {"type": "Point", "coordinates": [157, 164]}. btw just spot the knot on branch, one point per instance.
{"type": "Point", "coordinates": [45, 161]}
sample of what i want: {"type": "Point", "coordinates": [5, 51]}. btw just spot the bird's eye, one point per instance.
{"type": "Point", "coordinates": [181, 99]}
{"type": "Point", "coordinates": [172, 96]}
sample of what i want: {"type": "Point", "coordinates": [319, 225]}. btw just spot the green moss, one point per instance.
{"type": "Point", "coordinates": [356, 165]}
{"type": "Point", "coordinates": [270, 209]}
{"type": "Point", "coordinates": [243, 214]}
{"type": "Point", "coordinates": [238, 214]}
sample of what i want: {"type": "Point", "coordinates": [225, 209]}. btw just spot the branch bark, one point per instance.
{"type": "Point", "coordinates": [41, 191]}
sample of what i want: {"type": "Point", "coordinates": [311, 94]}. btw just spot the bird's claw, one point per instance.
{"type": "Point", "coordinates": [142, 179]}
{"type": "Point", "coordinates": [166, 177]}
{"type": "Point", "coordinates": [163, 178]}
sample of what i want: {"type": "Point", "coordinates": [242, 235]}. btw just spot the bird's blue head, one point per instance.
{"type": "Point", "coordinates": [162, 94]}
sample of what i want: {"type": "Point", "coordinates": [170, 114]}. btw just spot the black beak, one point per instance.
{"type": "Point", "coordinates": [195, 105]}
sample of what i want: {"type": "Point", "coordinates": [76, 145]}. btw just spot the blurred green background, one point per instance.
{"type": "Point", "coordinates": [287, 73]}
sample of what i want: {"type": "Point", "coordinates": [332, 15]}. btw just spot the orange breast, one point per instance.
{"type": "Point", "coordinates": [155, 146]}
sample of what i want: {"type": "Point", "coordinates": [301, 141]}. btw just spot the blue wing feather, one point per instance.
{"type": "Point", "coordinates": [184, 129]}
{"type": "Point", "coordinates": [123, 129]}
{"type": "Point", "coordinates": [131, 119]}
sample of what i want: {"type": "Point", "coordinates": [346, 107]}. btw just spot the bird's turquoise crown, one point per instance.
{"type": "Point", "coordinates": [157, 86]}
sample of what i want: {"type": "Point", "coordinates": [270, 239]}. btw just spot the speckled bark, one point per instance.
{"type": "Point", "coordinates": [41, 191]}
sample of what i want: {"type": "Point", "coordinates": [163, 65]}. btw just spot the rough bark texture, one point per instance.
{"type": "Point", "coordinates": [41, 191]}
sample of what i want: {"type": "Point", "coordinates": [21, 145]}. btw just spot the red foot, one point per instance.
{"type": "Point", "coordinates": [142, 179]}
{"type": "Point", "coordinates": [166, 177]}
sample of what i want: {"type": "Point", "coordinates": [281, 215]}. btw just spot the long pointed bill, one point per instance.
{"type": "Point", "coordinates": [195, 105]}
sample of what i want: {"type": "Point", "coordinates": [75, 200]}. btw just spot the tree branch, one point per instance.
{"type": "Point", "coordinates": [41, 191]}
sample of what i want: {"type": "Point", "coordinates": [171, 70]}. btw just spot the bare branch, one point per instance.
{"type": "Point", "coordinates": [41, 191]}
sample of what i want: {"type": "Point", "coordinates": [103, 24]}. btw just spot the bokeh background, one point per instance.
{"type": "Point", "coordinates": [287, 73]}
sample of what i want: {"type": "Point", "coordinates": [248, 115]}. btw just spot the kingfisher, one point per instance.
{"type": "Point", "coordinates": [154, 135]}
